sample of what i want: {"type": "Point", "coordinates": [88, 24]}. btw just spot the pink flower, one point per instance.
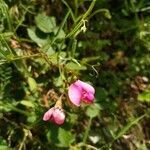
{"type": "Point", "coordinates": [55, 114]}
{"type": "Point", "coordinates": [81, 91]}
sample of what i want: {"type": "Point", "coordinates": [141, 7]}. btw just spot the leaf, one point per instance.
{"type": "Point", "coordinates": [144, 96]}
{"type": "Point", "coordinates": [32, 84]}
{"type": "Point", "coordinates": [58, 81]}
{"type": "Point", "coordinates": [4, 147]}
{"type": "Point", "coordinates": [128, 126]}
{"type": "Point", "coordinates": [5, 50]}
{"type": "Point", "coordinates": [54, 57]}
{"type": "Point", "coordinates": [32, 118]}
{"type": "Point", "coordinates": [37, 36]}
{"type": "Point", "coordinates": [50, 51]}
{"type": "Point", "coordinates": [52, 134]}
{"type": "Point", "coordinates": [3, 144]}
{"type": "Point", "coordinates": [101, 94]}
{"type": "Point", "coordinates": [7, 35]}
{"type": "Point", "coordinates": [61, 33]}
{"type": "Point", "coordinates": [27, 103]}
{"type": "Point", "coordinates": [65, 137]}
{"type": "Point", "coordinates": [75, 66]}
{"type": "Point", "coordinates": [93, 110]}
{"type": "Point", "coordinates": [45, 23]}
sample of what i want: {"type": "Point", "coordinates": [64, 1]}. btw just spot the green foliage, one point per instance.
{"type": "Point", "coordinates": [144, 96]}
{"type": "Point", "coordinates": [32, 84]}
{"type": "Point", "coordinates": [93, 111]}
{"type": "Point", "coordinates": [65, 137]}
{"type": "Point", "coordinates": [47, 45]}
{"type": "Point", "coordinates": [41, 40]}
{"type": "Point", "coordinates": [45, 23]}
{"type": "Point", "coordinates": [3, 144]}
{"type": "Point", "coordinates": [128, 126]}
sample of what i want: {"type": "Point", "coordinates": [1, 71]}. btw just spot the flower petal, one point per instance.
{"type": "Point", "coordinates": [48, 114]}
{"type": "Point", "coordinates": [59, 116]}
{"type": "Point", "coordinates": [89, 98]}
{"type": "Point", "coordinates": [75, 94]}
{"type": "Point", "coordinates": [85, 86]}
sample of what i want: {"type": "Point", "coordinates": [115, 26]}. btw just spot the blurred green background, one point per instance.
{"type": "Point", "coordinates": [45, 45]}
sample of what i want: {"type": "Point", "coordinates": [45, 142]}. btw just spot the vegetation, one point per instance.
{"type": "Point", "coordinates": [46, 45]}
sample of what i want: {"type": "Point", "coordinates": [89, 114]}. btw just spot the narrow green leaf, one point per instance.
{"type": "Point", "coordinates": [128, 126]}
{"type": "Point", "coordinates": [27, 103]}
{"type": "Point", "coordinates": [75, 66]}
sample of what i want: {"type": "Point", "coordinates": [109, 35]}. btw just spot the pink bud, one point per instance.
{"type": "Point", "coordinates": [81, 91]}
{"type": "Point", "coordinates": [55, 114]}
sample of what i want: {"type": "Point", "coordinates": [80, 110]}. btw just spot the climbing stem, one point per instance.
{"type": "Point", "coordinates": [87, 131]}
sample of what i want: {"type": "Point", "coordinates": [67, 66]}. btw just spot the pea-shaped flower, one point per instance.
{"type": "Point", "coordinates": [55, 114]}
{"type": "Point", "coordinates": [80, 91]}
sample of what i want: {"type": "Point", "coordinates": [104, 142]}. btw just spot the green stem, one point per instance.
{"type": "Point", "coordinates": [87, 131]}
{"type": "Point", "coordinates": [61, 71]}
{"type": "Point", "coordinates": [72, 14]}
{"type": "Point", "coordinates": [18, 110]}
{"type": "Point", "coordinates": [99, 11]}
{"type": "Point", "coordinates": [74, 45]}
{"type": "Point", "coordinates": [76, 28]}
{"type": "Point", "coordinates": [23, 141]}
{"type": "Point", "coordinates": [61, 26]}
{"type": "Point", "coordinates": [87, 146]}
{"type": "Point", "coordinates": [135, 13]}
{"type": "Point", "coordinates": [76, 7]}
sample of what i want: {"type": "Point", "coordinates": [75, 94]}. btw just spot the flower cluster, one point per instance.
{"type": "Point", "coordinates": [78, 92]}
